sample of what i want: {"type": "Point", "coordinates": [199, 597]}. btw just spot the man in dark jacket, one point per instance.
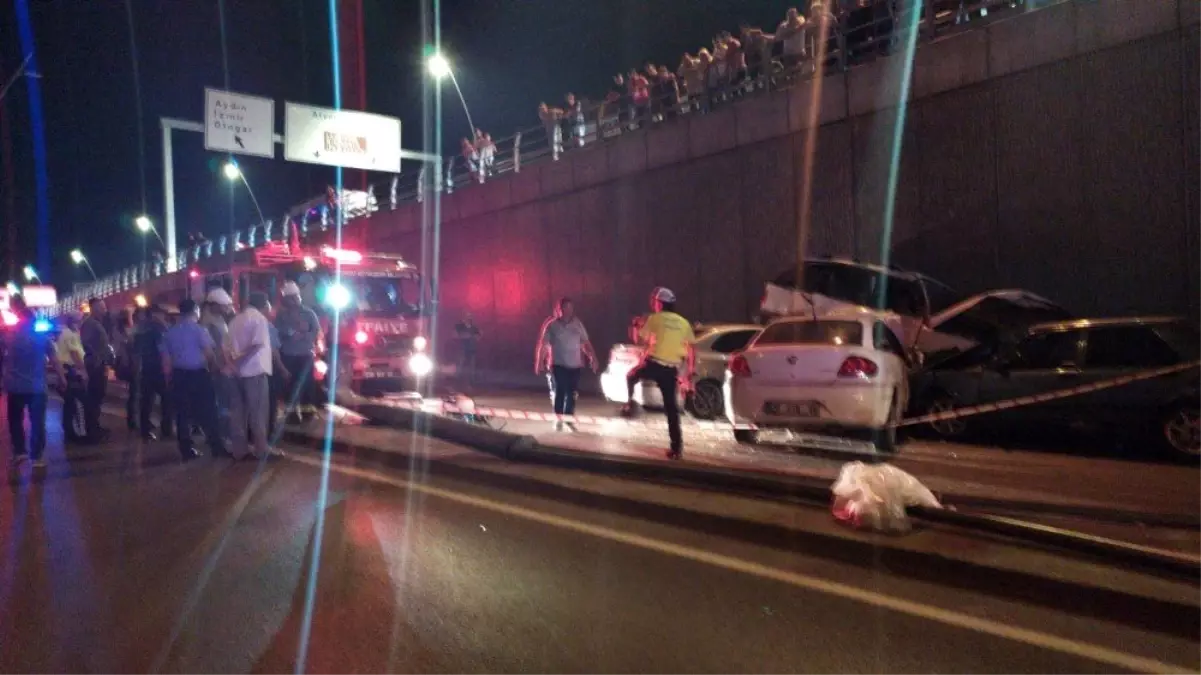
{"type": "Point", "coordinates": [152, 379]}
{"type": "Point", "coordinates": [98, 355]}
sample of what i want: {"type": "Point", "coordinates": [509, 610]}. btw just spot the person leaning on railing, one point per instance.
{"type": "Point", "coordinates": [470, 155]}
{"type": "Point", "coordinates": [757, 47]}
{"type": "Point", "coordinates": [487, 152]}
{"type": "Point", "coordinates": [791, 34]}
{"type": "Point", "coordinates": [692, 76]}
{"type": "Point", "coordinates": [574, 118]}
{"type": "Point", "coordinates": [551, 117]}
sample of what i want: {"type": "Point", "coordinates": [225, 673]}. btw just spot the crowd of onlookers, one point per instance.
{"type": "Point", "coordinates": [211, 369]}
{"type": "Point", "coordinates": [479, 154]}
{"type": "Point", "coordinates": [731, 66]}
{"type": "Point", "coordinates": [828, 34]}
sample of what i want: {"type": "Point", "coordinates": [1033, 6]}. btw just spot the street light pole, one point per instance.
{"type": "Point", "coordinates": [169, 183]}
{"type": "Point", "coordinates": [79, 258]}
{"type": "Point", "coordinates": [439, 67]}
{"type": "Point", "coordinates": [234, 172]}
{"type": "Point", "coordinates": [144, 225]}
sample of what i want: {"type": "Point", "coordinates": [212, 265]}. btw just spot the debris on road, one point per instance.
{"type": "Point", "coordinates": [875, 497]}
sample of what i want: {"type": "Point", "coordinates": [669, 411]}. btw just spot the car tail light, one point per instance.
{"type": "Point", "coordinates": [739, 367]}
{"type": "Point", "coordinates": [857, 366]}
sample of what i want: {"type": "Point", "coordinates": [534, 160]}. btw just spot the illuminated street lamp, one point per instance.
{"type": "Point", "coordinates": [78, 258]}
{"type": "Point", "coordinates": [31, 274]}
{"type": "Point", "coordinates": [439, 68]}
{"type": "Point", "coordinates": [144, 225]}
{"type": "Point", "coordinates": [234, 172]}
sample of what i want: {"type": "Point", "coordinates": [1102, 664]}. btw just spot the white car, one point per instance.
{"type": "Point", "coordinates": [840, 373]}
{"type": "Point", "coordinates": [714, 345]}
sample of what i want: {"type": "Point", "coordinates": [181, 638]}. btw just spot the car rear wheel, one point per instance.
{"type": "Point", "coordinates": [1181, 427]}
{"type": "Point", "coordinates": [952, 428]}
{"type": "Point", "coordinates": [747, 436]}
{"type": "Point", "coordinates": [706, 401]}
{"type": "Point", "coordinates": [886, 438]}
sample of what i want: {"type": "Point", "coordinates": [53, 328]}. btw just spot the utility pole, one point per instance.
{"type": "Point", "coordinates": [10, 183]}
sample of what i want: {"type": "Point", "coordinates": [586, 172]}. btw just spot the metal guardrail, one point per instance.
{"type": "Point", "coordinates": [865, 30]}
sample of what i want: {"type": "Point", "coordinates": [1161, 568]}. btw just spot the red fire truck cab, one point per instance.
{"type": "Point", "coordinates": [379, 302]}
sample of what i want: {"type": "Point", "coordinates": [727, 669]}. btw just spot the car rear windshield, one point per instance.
{"type": "Point", "coordinates": [812, 333]}
{"type": "Point", "coordinates": [1182, 337]}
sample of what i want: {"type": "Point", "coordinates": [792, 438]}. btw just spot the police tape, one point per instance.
{"type": "Point", "coordinates": [1068, 392]}
{"type": "Point", "coordinates": [467, 408]}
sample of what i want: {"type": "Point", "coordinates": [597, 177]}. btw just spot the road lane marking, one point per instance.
{"type": "Point", "coordinates": [952, 618]}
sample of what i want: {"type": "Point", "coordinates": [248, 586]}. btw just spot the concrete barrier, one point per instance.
{"type": "Point", "coordinates": [492, 441]}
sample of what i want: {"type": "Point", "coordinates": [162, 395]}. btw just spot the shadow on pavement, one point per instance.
{"type": "Point", "coordinates": [345, 605]}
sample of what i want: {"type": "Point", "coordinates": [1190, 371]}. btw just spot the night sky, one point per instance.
{"type": "Point", "coordinates": [508, 55]}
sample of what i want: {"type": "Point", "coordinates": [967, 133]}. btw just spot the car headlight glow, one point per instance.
{"type": "Point", "coordinates": [419, 343]}
{"type": "Point", "coordinates": [420, 365]}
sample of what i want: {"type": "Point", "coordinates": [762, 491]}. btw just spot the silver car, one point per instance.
{"type": "Point", "coordinates": [714, 345]}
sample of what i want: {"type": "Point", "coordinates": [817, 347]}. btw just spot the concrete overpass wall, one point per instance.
{"type": "Point", "coordinates": [1056, 150]}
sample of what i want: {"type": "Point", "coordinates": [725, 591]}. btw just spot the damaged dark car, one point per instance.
{"type": "Point", "coordinates": [1072, 357]}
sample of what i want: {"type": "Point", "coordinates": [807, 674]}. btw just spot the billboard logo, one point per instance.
{"type": "Point", "coordinates": [345, 143]}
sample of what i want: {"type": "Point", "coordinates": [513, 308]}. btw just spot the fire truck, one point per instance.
{"type": "Point", "coordinates": [380, 299]}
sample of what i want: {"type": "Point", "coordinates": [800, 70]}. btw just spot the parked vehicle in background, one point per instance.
{"type": "Point", "coordinates": [714, 345]}
{"type": "Point", "coordinates": [927, 315]}
{"type": "Point", "coordinates": [838, 284]}
{"type": "Point", "coordinates": [1061, 355]}
{"type": "Point", "coordinates": [843, 373]}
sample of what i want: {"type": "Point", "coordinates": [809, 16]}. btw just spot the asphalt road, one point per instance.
{"type": "Point", "coordinates": [122, 559]}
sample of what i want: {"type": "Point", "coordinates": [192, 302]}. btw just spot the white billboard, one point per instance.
{"type": "Point", "coordinates": [239, 123]}
{"type": "Point", "coordinates": [346, 138]}
{"type": "Point", "coordinates": [40, 296]}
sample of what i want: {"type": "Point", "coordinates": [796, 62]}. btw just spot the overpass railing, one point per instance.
{"type": "Point", "coordinates": [867, 30]}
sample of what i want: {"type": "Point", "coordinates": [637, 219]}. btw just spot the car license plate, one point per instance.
{"type": "Point", "coordinates": [376, 374]}
{"type": "Point", "coordinates": [792, 408]}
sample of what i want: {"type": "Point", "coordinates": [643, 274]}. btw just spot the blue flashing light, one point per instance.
{"type": "Point", "coordinates": [41, 326]}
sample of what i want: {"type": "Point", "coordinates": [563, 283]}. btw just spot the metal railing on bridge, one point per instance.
{"type": "Point", "coordinates": [865, 32]}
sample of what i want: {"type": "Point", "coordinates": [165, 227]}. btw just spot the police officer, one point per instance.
{"type": "Point", "coordinates": [152, 375]}
{"type": "Point", "coordinates": [668, 339]}
{"type": "Point", "coordinates": [187, 353]}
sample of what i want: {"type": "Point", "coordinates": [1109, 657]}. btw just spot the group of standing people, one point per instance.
{"type": "Point", "coordinates": [563, 350]}
{"type": "Point", "coordinates": [480, 154]}
{"type": "Point", "coordinates": [212, 369]}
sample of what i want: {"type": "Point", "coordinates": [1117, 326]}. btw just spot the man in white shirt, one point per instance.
{"type": "Point", "coordinates": [563, 345]}
{"type": "Point", "coordinates": [251, 359]}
